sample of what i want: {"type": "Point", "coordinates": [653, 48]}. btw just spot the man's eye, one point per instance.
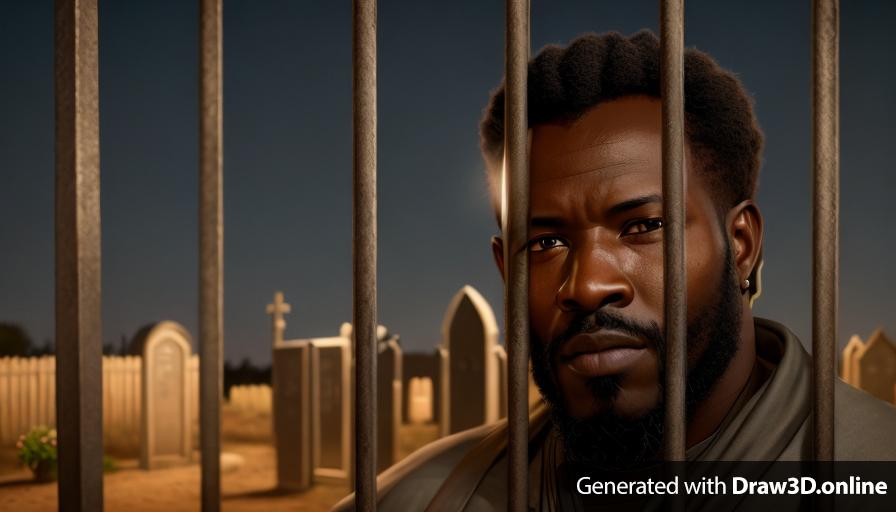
{"type": "Point", "coordinates": [545, 243]}
{"type": "Point", "coordinates": [642, 226]}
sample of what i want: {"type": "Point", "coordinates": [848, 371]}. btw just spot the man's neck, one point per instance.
{"type": "Point", "coordinates": [740, 381]}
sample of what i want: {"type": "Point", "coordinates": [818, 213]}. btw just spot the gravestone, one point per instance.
{"type": "Point", "coordinates": [165, 414]}
{"type": "Point", "coordinates": [420, 400]}
{"type": "Point", "coordinates": [291, 407]}
{"type": "Point", "coordinates": [421, 366]}
{"type": "Point", "coordinates": [470, 335]}
{"type": "Point", "coordinates": [875, 366]}
{"type": "Point", "coordinates": [388, 402]}
{"type": "Point", "coordinates": [501, 357]}
{"type": "Point", "coordinates": [848, 360]}
{"type": "Point", "coordinates": [389, 392]}
{"type": "Point", "coordinates": [331, 409]}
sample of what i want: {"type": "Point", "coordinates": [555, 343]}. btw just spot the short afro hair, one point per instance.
{"type": "Point", "coordinates": [565, 82]}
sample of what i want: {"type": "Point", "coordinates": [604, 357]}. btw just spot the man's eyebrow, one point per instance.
{"type": "Point", "coordinates": [631, 204]}
{"type": "Point", "coordinates": [616, 209]}
{"type": "Point", "coordinates": [547, 222]}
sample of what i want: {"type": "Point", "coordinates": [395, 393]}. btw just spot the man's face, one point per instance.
{"type": "Point", "coordinates": [596, 264]}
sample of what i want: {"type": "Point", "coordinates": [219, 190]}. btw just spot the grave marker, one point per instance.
{"type": "Point", "coordinates": [847, 363]}
{"type": "Point", "coordinates": [388, 398]}
{"type": "Point", "coordinates": [291, 409]}
{"type": "Point", "coordinates": [165, 415]}
{"type": "Point", "coordinates": [470, 335]}
{"type": "Point", "coordinates": [331, 409]}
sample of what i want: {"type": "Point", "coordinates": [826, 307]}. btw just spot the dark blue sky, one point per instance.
{"type": "Point", "coordinates": [287, 177]}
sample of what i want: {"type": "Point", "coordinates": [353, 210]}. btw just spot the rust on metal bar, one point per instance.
{"type": "Point", "coordinates": [516, 255]}
{"type": "Point", "coordinates": [675, 286]}
{"type": "Point", "coordinates": [825, 218]}
{"type": "Point", "coordinates": [364, 248]}
{"type": "Point", "coordinates": [79, 371]}
{"type": "Point", "coordinates": [211, 253]}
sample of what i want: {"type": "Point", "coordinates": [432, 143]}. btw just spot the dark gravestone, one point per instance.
{"type": "Point", "coordinates": [291, 395]}
{"type": "Point", "coordinates": [388, 398]}
{"type": "Point", "coordinates": [470, 335]}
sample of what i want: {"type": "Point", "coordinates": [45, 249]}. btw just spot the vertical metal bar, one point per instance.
{"type": "Point", "coordinates": [675, 285]}
{"type": "Point", "coordinates": [516, 255]}
{"type": "Point", "coordinates": [364, 248]}
{"type": "Point", "coordinates": [825, 217]}
{"type": "Point", "coordinates": [79, 365]}
{"type": "Point", "coordinates": [211, 252]}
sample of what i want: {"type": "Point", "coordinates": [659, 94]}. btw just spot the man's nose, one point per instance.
{"type": "Point", "coordinates": [594, 280]}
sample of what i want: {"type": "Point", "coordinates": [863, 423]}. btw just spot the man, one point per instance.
{"type": "Point", "coordinates": [596, 290]}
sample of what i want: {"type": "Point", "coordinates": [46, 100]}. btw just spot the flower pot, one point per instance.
{"type": "Point", "coordinates": [45, 471]}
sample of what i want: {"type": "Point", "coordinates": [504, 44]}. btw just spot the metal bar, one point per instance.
{"type": "Point", "coordinates": [516, 255]}
{"type": "Point", "coordinates": [825, 218]}
{"type": "Point", "coordinates": [211, 253]}
{"type": "Point", "coordinates": [675, 285]}
{"type": "Point", "coordinates": [79, 365]}
{"type": "Point", "coordinates": [364, 248]}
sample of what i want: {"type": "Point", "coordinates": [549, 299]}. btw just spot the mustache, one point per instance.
{"type": "Point", "coordinates": [601, 319]}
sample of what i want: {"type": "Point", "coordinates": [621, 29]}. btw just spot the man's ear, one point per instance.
{"type": "Point", "coordinates": [745, 232]}
{"type": "Point", "coordinates": [498, 253]}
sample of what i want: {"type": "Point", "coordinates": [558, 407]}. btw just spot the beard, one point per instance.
{"type": "Point", "coordinates": [610, 441]}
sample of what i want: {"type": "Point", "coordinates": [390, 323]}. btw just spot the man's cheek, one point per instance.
{"type": "Point", "coordinates": [543, 312]}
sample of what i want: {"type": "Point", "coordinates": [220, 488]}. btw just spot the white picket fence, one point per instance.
{"type": "Point", "coordinates": [28, 394]}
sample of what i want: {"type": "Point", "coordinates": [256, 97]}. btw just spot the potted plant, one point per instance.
{"type": "Point", "coordinates": [37, 450]}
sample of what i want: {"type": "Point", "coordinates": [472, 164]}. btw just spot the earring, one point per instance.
{"type": "Point", "coordinates": [746, 285]}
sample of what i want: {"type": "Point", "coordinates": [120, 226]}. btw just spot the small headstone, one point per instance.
{"type": "Point", "coordinates": [165, 425]}
{"type": "Point", "coordinates": [231, 462]}
{"type": "Point", "coordinates": [470, 335]}
{"type": "Point", "coordinates": [848, 360]}
{"type": "Point", "coordinates": [291, 409]}
{"type": "Point", "coordinates": [331, 409]}
{"type": "Point", "coordinates": [388, 399]}
{"type": "Point", "coordinates": [420, 397]}
{"type": "Point", "coordinates": [425, 366]}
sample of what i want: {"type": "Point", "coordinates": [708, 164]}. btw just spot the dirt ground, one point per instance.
{"type": "Point", "coordinates": [247, 487]}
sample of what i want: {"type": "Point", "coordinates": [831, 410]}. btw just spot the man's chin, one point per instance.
{"type": "Point", "coordinates": [609, 440]}
{"type": "Point", "coordinates": [610, 397]}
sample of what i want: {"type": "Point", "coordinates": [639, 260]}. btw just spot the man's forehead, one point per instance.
{"type": "Point", "coordinates": [620, 134]}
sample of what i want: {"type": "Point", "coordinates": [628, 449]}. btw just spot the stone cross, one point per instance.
{"type": "Point", "coordinates": [277, 309]}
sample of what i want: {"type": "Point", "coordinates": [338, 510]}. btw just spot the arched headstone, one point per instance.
{"type": "Point", "coordinates": [848, 360]}
{"type": "Point", "coordinates": [470, 335]}
{"type": "Point", "coordinates": [165, 415]}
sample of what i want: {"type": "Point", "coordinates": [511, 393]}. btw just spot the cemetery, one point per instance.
{"type": "Point", "coordinates": [286, 443]}
{"type": "Point", "coordinates": [290, 442]}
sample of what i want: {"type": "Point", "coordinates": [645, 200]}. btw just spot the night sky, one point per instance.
{"type": "Point", "coordinates": [287, 157]}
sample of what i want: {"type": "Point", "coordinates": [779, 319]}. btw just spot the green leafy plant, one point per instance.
{"type": "Point", "coordinates": [37, 450]}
